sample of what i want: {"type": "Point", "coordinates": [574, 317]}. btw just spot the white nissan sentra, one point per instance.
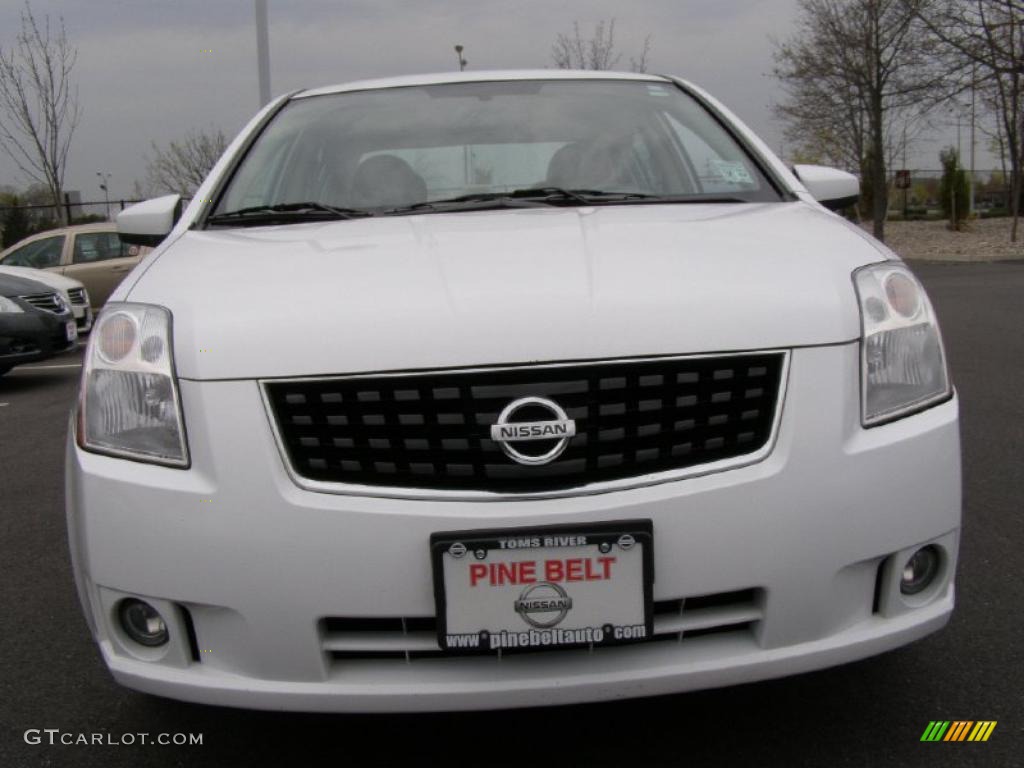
{"type": "Point", "coordinates": [507, 389]}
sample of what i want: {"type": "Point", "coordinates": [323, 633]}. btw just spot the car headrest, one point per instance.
{"type": "Point", "coordinates": [386, 181]}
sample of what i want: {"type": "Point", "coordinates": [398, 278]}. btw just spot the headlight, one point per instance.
{"type": "Point", "coordinates": [6, 305]}
{"type": "Point", "coordinates": [129, 402]}
{"type": "Point", "coordinates": [903, 366]}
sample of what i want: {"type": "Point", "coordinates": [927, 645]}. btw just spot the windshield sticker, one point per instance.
{"type": "Point", "coordinates": [732, 172]}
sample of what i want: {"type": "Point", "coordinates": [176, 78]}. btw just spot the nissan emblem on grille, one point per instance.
{"type": "Point", "coordinates": [507, 433]}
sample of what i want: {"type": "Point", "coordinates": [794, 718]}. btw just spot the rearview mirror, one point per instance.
{"type": "Point", "coordinates": [149, 222]}
{"type": "Point", "coordinates": [831, 187]}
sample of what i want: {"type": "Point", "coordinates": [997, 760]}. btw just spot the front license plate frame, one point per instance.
{"type": "Point", "coordinates": [516, 632]}
{"type": "Point", "coordinates": [71, 330]}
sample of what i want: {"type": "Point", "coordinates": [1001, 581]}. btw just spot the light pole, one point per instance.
{"type": "Point", "coordinates": [906, 189]}
{"type": "Point", "coordinates": [957, 167]}
{"type": "Point", "coordinates": [105, 186]}
{"type": "Point", "coordinates": [959, 122]}
{"type": "Point", "coordinates": [974, 75]}
{"type": "Point", "coordinates": [263, 51]}
{"type": "Point", "coordinates": [465, 149]}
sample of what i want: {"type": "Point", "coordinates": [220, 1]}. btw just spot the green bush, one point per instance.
{"type": "Point", "coordinates": [954, 189]}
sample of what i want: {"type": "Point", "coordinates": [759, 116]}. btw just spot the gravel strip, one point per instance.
{"type": "Point", "coordinates": [987, 240]}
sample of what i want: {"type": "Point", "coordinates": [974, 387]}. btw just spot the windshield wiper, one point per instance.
{"type": "Point", "coordinates": [527, 197]}
{"type": "Point", "coordinates": [286, 212]}
{"type": "Point", "coordinates": [552, 196]}
{"type": "Point", "coordinates": [481, 201]}
{"type": "Point", "coordinates": [599, 197]}
{"type": "Point", "coordinates": [530, 197]}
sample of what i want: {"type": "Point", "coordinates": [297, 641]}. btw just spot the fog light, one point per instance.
{"type": "Point", "coordinates": [142, 623]}
{"type": "Point", "coordinates": [920, 570]}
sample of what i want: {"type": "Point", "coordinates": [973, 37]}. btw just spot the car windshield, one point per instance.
{"type": "Point", "coordinates": [434, 148]}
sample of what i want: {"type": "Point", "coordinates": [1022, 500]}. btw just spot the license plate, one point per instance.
{"type": "Point", "coordinates": [71, 330]}
{"type": "Point", "coordinates": [543, 588]}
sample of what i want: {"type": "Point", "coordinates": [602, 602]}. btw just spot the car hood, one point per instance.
{"type": "Point", "coordinates": [11, 285]}
{"type": "Point", "coordinates": [52, 279]}
{"type": "Point", "coordinates": [508, 286]}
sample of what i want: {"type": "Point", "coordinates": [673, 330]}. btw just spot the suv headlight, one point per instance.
{"type": "Point", "coordinates": [129, 404]}
{"type": "Point", "coordinates": [903, 365]}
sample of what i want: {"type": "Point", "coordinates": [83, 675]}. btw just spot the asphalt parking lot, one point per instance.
{"type": "Point", "coordinates": [871, 713]}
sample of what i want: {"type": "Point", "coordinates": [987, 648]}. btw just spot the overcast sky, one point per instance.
{"type": "Point", "coordinates": [143, 73]}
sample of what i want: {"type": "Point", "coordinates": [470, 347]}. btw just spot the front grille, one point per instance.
{"type": "Point", "coordinates": [47, 301]}
{"type": "Point", "coordinates": [432, 430]}
{"type": "Point", "coordinates": [410, 638]}
{"type": "Point", "coordinates": [77, 295]}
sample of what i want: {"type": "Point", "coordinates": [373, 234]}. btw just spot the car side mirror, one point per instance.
{"type": "Point", "coordinates": [831, 187]}
{"type": "Point", "coordinates": [149, 222]}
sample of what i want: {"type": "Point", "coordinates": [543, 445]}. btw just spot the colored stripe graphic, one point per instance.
{"type": "Point", "coordinates": [958, 730]}
{"type": "Point", "coordinates": [982, 730]}
{"type": "Point", "coordinates": [935, 730]}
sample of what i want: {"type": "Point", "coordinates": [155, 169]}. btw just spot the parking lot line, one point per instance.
{"type": "Point", "coordinates": [44, 367]}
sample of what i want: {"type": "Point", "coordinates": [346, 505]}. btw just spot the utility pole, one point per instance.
{"type": "Point", "coordinates": [956, 168]}
{"type": "Point", "coordinates": [906, 188]}
{"type": "Point", "coordinates": [458, 54]}
{"type": "Point", "coordinates": [263, 51]}
{"type": "Point", "coordinates": [974, 69]}
{"type": "Point", "coordinates": [959, 123]}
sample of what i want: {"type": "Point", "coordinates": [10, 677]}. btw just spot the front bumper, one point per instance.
{"type": "Point", "coordinates": [817, 531]}
{"type": "Point", "coordinates": [26, 337]}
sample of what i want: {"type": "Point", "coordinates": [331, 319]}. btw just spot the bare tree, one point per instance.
{"type": "Point", "coordinates": [824, 123]}
{"type": "Point", "coordinates": [640, 64]}
{"type": "Point", "coordinates": [983, 40]}
{"type": "Point", "coordinates": [852, 70]}
{"type": "Point", "coordinates": [997, 147]}
{"type": "Point", "coordinates": [183, 165]}
{"type": "Point", "coordinates": [39, 108]}
{"type": "Point", "coordinates": [596, 52]}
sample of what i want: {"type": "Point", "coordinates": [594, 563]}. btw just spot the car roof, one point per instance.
{"type": "Point", "coordinates": [480, 76]}
{"type": "Point", "coordinates": [96, 226]}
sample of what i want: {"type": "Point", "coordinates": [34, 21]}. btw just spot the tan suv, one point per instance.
{"type": "Point", "coordinates": [93, 254]}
